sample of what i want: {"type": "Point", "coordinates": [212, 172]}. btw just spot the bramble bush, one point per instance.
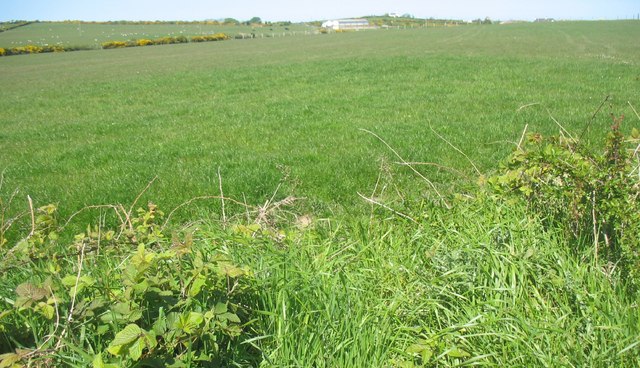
{"type": "Point", "coordinates": [122, 297]}
{"type": "Point", "coordinates": [593, 196]}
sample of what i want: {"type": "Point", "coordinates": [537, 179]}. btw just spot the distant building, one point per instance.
{"type": "Point", "coordinates": [344, 24]}
{"type": "Point", "coordinates": [394, 15]}
{"type": "Point", "coordinates": [544, 20]}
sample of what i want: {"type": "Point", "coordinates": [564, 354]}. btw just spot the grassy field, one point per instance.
{"type": "Point", "coordinates": [483, 282]}
{"type": "Point", "coordinates": [95, 127]}
{"type": "Point", "coordinates": [75, 34]}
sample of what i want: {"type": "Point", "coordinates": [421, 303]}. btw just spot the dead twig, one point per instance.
{"type": "Point", "coordinates": [527, 105]}
{"type": "Point", "coordinates": [429, 182]}
{"type": "Point", "coordinates": [443, 167]}
{"type": "Point", "coordinates": [33, 217]}
{"type": "Point", "coordinates": [457, 150]}
{"type": "Point", "coordinates": [135, 201]}
{"type": "Point", "coordinates": [373, 201]}
{"type": "Point", "coordinates": [73, 297]}
{"type": "Point", "coordinates": [586, 127]}
{"type": "Point", "coordinates": [115, 209]}
{"type": "Point", "coordinates": [186, 203]}
{"type": "Point", "coordinates": [524, 132]}
{"type": "Point", "coordinates": [634, 110]}
{"type": "Point", "coordinates": [265, 210]}
{"type": "Point", "coordinates": [560, 125]}
{"type": "Point", "coordinates": [224, 215]}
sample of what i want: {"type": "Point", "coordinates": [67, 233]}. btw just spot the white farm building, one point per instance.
{"type": "Point", "coordinates": [346, 24]}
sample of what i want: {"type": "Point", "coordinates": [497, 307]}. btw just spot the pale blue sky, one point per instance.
{"type": "Point", "coordinates": [304, 10]}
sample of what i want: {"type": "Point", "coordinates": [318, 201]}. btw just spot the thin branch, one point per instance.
{"type": "Point", "coordinates": [224, 215]}
{"type": "Point", "coordinates": [457, 149]}
{"type": "Point", "coordinates": [594, 116]}
{"type": "Point", "coordinates": [135, 201]}
{"type": "Point", "coordinates": [443, 167]}
{"type": "Point", "coordinates": [73, 297]}
{"type": "Point", "coordinates": [113, 207]}
{"type": "Point", "coordinates": [527, 105]}
{"type": "Point", "coordinates": [411, 167]}
{"type": "Point", "coordinates": [373, 201]}
{"type": "Point", "coordinates": [560, 125]}
{"type": "Point", "coordinates": [633, 108]}
{"type": "Point", "coordinates": [595, 226]}
{"type": "Point", "coordinates": [524, 132]}
{"type": "Point", "coordinates": [186, 203]}
{"type": "Point", "coordinates": [33, 217]}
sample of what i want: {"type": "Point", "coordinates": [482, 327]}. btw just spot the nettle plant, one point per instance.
{"type": "Point", "coordinates": [130, 297]}
{"type": "Point", "coordinates": [592, 195]}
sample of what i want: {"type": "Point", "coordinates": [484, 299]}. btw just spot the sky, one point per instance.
{"type": "Point", "coordinates": [306, 10]}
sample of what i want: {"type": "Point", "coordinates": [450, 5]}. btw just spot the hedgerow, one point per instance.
{"type": "Point", "coordinates": [213, 37]}
{"type": "Point", "coordinates": [34, 49]}
{"type": "Point", "coordinates": [163, 41]}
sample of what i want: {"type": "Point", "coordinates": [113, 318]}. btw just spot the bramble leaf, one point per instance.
{"type": "Point", "coordinates": [129, 334]}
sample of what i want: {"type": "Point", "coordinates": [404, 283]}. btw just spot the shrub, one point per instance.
{"type": "Point", "coordinates": [144, 42]}
{"type": "Point", "coordinates": [3, 52]}
{"type": "Point", "coordinates": [114, 44]}
{"type": "Point", "coordinates": [592, 196]}
{"type": "Point", "coordinates": [165, 41]}
{"type": "Point", "coordinates": [54, 48]}
{"type": "Point", "coordinates": [164, 299]}
{"type": "Point", "coordinates": [29, 49]}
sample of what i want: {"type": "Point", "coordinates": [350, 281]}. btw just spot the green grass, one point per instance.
{"type": "Point", "coordinates": [94, 127]}
{"type": "Point", "coordinates": [486, 282]}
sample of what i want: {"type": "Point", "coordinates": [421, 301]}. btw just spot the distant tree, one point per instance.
{"type": "Point", "coordinates": [487, 20]}
{"type": "Point", "coordinates": [255, 20]}
{"type": "Point", "coordinates": [230, 21]}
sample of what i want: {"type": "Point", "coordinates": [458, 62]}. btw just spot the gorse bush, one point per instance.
{"type": "Point", "coordinates": [114, 44]}
{"type": "Point", "coordinates": [593, 196]}
{"type": "Point", "coordinates": [213, 37]}
{"type": "Point", "coordinates": [33, 49]}
{"type": "Point", "coordinates": [163, 41]}
{"type": "Point", "coordinates": [144, 42]}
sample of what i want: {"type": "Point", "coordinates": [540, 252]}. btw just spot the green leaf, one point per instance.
{"type": "Point", "coordinates": [135, 349]}
{"type": "Point", "coordinates": [230, 317]}
{"type": "Point", "coordinates": [228, 269]}
{"type": "Point", "coordinates": [197, 285]}
{"type": "Point", "coordinates": [99, 363]}
{"type": "Point", "coordinates": [127, 335]}
{"type": "Point", "coordinates": [46, 310]}
{"type": "Point", "coordinates": [150, 339]}
{"type": "Point", "coordinates": [220, 308]}
{"type": "Point", "coordinates": [189, 322]}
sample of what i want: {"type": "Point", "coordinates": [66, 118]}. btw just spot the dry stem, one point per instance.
{"type": "Point", "coordinates": [457, 149]}
{"type": "Point", "coordinates": [373, 201]}
{"type": "Point", "coordinates": [411, 167]}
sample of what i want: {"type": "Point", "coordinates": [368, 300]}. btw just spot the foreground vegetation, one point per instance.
{"type": "Point", "coordinates": [489, 278]}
